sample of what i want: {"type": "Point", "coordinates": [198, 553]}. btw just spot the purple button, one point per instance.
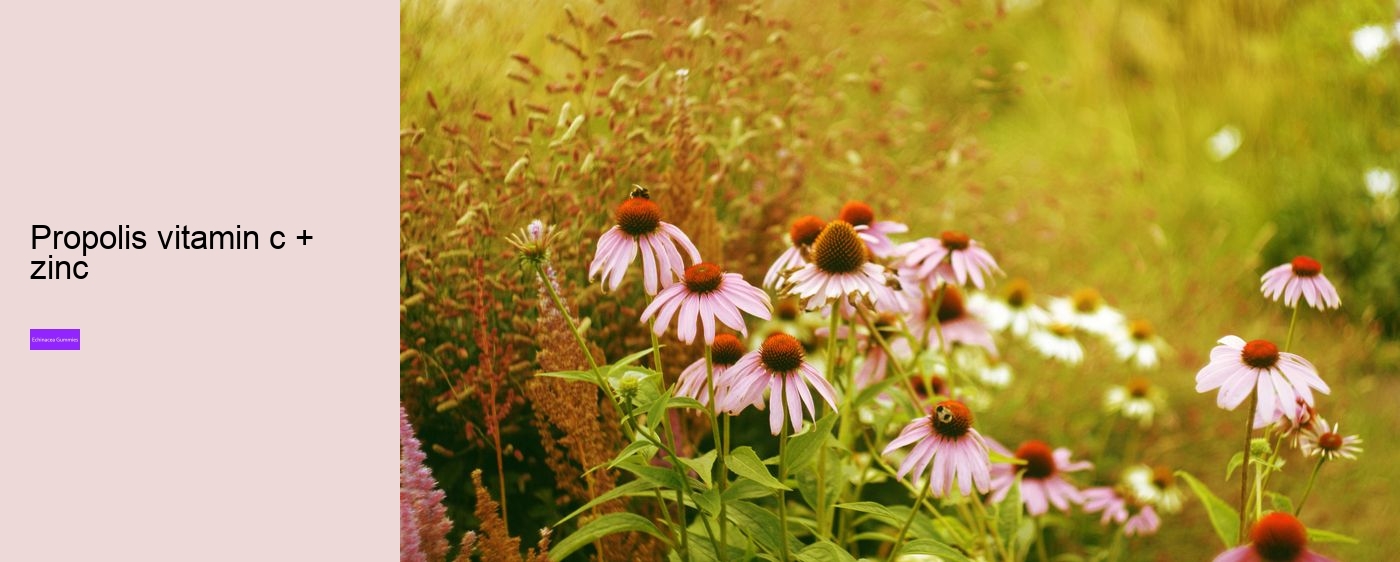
{"type": "Point", "coordinates": [51, 339]}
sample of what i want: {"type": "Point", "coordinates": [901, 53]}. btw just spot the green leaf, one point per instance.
{"type": "Point", "coordinates": [685, 402]}
{"type": "Point", "coordinates": [759, 523]}
{"type": "Point", "coordinates": [1234, 465]}
{"type": "Point", "coordinates": [1223, 517]}
{"type": "Point", "coordinates": [584, 376]}
{"type": "Point", "coordinates": [879, 511]}
{"type": "Point", "coordinates": [663, 477]}
{"type": "Point", "coordinates": [620, 364]}
{"type": "Point", "coordinates": [631, 488]}
{"type": "Point", "coordinates": [645, 448]}
{"type": "Point", "coordinates": [930, 547]}
{"type": "Point", "coordinates": [601, 527]}
{"type": "Point", "coordinates": [802, 449]}
{"type": "Point", "coordinates": [1003, 459]}
{"type": "Point", "coordinates": [656, 409]}
{"type": "Point", "coordinates": [744, 462]}
{"type": "Point", "coordinates": [745, 490]}
{"type": "Point", "coordinates": [707, 501]}
{"type": "Point", "coordinates": [1321, 536]}
{"type": "Point", "coordinates": [824, 551]}
{"type": "Point", "coordinates": [1280, 502]}
{"type": "Point", "coordinates": [1009, 515]}
{"type": "Point", "coordinates": [704, 465]}
{"type": "Point", "coordinates": [870, 392]}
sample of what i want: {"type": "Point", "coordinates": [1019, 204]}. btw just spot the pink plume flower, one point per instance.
{"type": "Point", "coordinates": [423, 522]}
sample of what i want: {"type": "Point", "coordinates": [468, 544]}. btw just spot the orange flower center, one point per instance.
{"type": "Point", "coordinates": [837, 249]}
{"type": "Point", "coordinates": [951, 419]}
{"type": "Point", "coordinates": [1330, 442]}
{"type": "Point", "coordinates": [1086, 300]}
{"type": "Point", "coordinates": [1018, 293]}
{"type": "Point", "coordinates": [781, 353]}
{"type": "Point", "coordinates": [954, 240]}
{"type": "Point", "coordinates": [1304, 266]}
{"type": "Point", "coordinates": [726, 350]}
{"type": "Point", "coordinates": [1040, 460]}
{"type": "Point", "coordinates": [1139, 386]}
{"type": "Point", "coordinates": [804, 231]}
{"type": "Point", "coordinates": [788, 309]}
{"type": "Point", "coordinates": [703, 277]}
{"type": "Point", "coordinates": [1278, 537]}
{"type": "Point", "coordinates": [951, 306]}
{"type": "Point", "coordinates": [857, 213]}
{"type": "Point", "coordinates": [1141, 330]}
{"type": "Point", "coordinates": [1162, 477]}
{"type": "Point", "coordinates": [1260, 354]}
{"type": "Point", "coordinates": [638, 216]}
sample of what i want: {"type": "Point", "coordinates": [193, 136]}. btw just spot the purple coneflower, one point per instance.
{"type": "Point", "coordinates": [1237, 367]}
{"type": "Point", "coordinates": [639, 227]}
{"type": "Point", "coordinates": [1041, 482]}
{"type": "Point", "coordinates": [1302, 276]}
{"type": "Point", "coordinates": [955, 322]}
{"type": "Point", "coordinates": [1326, 440]}
{"type": "Point", "coordinates": [778, 366]}
{"type": "Point", "coordinates": [948, 443]}
{"type": "Point", "coordinates": [954, 258]}
{"type": "Point", "coordinates": [801, 235]}
{"type": "Point", "coordinates": [725, 352]}
{"type": "Point", "coordinates": [706, 295]}
{"type": "Point", "coordinates": [839, 269]}
{"type": "Point", "coordinates": [1276, 537]}
{"type": "Point", "coordinates": [876, 235]}
{"type": "Point", "coordinates": [1116, 509]}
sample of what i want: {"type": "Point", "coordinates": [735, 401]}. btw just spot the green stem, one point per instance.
{"type": "Point", "coordinates": [629, 428]}
{"type": "Point", "coordinates": [669, 437]}
{"type": "Point", "coordinates": [722, 450]}
{"type": "Point", "coordinates": [991, 530]}
{"type": "Point", "coordinates": [832, 374]}
{"type": "Point", "coordinates": [1115, 550]}
{"type": "Point", "coordinates": [1244, 474]}
{"type": "Point", "coordinates": [782, 478]}
{"type": "Point", "coordinates": [1288, 344]}
{"type": "Point", "coordinates": [914, 510]}
{"type": "Point", "coordinates": [1040, 539]}
{"type": "Point", "coordinates": [1297, 511]}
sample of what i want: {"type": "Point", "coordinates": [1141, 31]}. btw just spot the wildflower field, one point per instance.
{"type": "Point", "coordinates": [938, 280]}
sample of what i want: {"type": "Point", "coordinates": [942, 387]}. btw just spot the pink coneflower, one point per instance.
{"type": "Point", "coordinates": [948, 443]}
{"type": "Point", "coordinates": [778, 366]}
{"type": "Point", "coordinates": [876, 363]}
{"type": "Point", "coordinates": [706, 295]}
{"type": "Point", "coordinates": [1237, 368]}
{"type": "Point", "coordinates": [840, 269]}
{"type": "Point", "coordinates": [724, 353]}
{"type": "Point", "coordinates": [639, 227]}
{"type": "Point", "coordinates": [1116, 509]}
{"type": "Point", "coordinates": [875, 234]}
{"type": "Point", "coordinates": [1326, 440]}
{"type": "Point", "coordinates": [1288, 427]}
{"type": "Point", "coordinates": [1041, 481]}
{"type": "Point", "coordinates": [958, 326]}
{"type": "Point", "coordinates": [1276, 537]}
{"type": "Point", "coordinates": [801, 235]}
{"type": "Point", "coordinates": [1302, 276]}
{"type": "Point", "coordinates": [954, 258]}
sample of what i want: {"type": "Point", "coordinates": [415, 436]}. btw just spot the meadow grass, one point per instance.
{"type": "Point", "coordinates": [1080, 158]}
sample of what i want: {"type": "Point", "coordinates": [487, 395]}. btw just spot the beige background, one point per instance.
{"type": "Point", "coordinates": [226, 405]}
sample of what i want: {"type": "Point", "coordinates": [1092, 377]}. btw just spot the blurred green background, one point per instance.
{"type": "Point", "coordinates": [1166, 153]}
